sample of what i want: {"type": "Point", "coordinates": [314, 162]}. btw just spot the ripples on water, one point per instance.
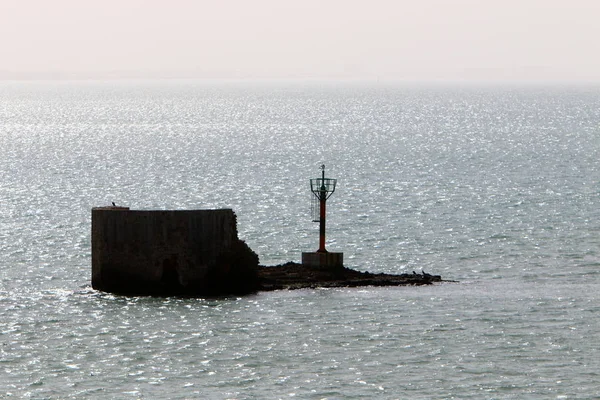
{"type": "Point", "coordinates": [495, 187]}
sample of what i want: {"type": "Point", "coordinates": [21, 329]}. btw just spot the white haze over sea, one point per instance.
{"type": "Point", "coordinates": [494, 186]}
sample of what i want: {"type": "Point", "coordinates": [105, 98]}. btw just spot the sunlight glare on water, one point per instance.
{"type": "Point", "coordinates": [495, 187]}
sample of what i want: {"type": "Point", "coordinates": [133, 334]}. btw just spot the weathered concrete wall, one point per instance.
{"type": "Point", "coordinates": [195, 252]}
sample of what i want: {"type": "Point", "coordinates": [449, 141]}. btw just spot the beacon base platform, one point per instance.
{"type": "Point", "coordinates": [323, 259]}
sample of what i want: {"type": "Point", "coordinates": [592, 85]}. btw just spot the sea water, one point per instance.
{"type": "Point", "coordinates": [494, 186]}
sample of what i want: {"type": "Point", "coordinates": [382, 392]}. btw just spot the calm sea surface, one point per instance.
{"type": "Point", "coordinates": [497, 187]}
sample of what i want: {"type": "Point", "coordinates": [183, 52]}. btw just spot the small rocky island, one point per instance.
{"type": "Point", "coordinates": [297, 276]}
{"type": "Point", "coordinates": [198, 253]}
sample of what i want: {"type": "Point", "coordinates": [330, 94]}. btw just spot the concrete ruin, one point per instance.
{"type": "Point", "coordinates": [182, 252]}
{"type": "Point", "coordinates": [198, 253]}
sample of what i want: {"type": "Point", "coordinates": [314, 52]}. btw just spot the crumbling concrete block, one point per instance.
{"type": "Point", "coordinates": [182, 252]}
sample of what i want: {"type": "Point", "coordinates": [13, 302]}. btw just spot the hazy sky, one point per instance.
{"type": "Point", "coordinates": [351, 39]}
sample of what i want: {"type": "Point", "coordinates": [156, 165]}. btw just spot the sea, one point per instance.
{"type": "Point", "coordinates": [493, 186]}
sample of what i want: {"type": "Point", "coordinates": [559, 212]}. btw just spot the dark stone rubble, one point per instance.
{"type": "Point", "coordinates": [297, 276]}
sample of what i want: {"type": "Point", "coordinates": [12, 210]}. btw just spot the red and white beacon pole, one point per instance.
{"type": "Point", "coordinates": [322, 188]}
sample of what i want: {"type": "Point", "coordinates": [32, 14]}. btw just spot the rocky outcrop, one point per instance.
{"type": "Point", "coordinates": [298, 276]}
